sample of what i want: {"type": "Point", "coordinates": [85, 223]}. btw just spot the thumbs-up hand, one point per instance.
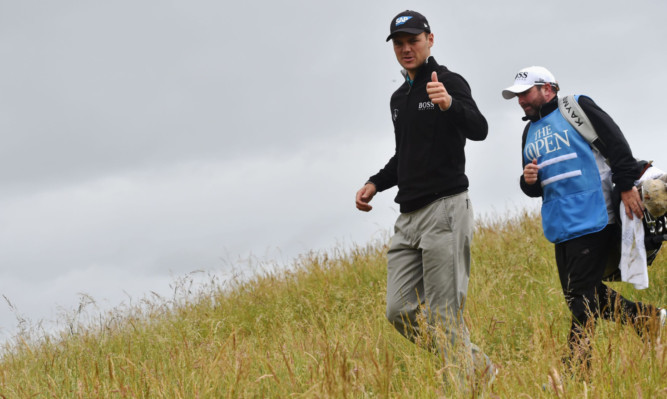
{"type": "Point", "coordinates": [437, 93]}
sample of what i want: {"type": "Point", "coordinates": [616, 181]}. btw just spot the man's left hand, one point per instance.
{"type": "Point", "coordinates": [633, 203]}
{"type": "Point", "coordinates": [437, 93]}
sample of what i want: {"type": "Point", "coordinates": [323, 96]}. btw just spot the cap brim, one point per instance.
{"type": "Point", "coordinates": [412, 31]}
{"type": "Point", "coordinates": [512, 91]}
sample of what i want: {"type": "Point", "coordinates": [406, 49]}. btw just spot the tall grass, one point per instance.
{"type": "Point", "coordinates": [317, 330]}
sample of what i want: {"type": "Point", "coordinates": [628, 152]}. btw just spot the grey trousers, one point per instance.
{"type": "Point", "coordinates": [427, 278]}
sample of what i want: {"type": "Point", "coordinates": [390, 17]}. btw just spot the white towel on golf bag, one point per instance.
{"type": "Point", "coordinates": [634, 269]}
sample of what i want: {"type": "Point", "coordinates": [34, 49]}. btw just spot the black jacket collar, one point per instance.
{"type": "Point", "coordinates": [424, 72]}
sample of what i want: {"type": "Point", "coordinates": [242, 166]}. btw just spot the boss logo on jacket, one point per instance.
{"type": "Point", "coordinates": [426, 106]}
{"type": "Point", "coordinates": [422, 106]}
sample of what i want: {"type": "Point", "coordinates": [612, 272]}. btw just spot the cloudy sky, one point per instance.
{"type": "Point", "coordinates": [145, 140]}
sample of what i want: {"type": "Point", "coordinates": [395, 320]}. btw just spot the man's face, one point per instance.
{"type": "Point", "coordinates": [532, 100]}
{"type": "Point", "coordinates": [412, 50]}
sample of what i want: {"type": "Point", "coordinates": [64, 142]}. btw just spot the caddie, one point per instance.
{"type": "Point", "coordinates": [575, 184]}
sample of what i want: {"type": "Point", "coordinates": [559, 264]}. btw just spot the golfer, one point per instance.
{"type": "Point", "coordinates": [428, 263]}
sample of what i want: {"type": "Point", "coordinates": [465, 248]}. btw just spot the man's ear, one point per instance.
{"type": "Point", "coordinates": [550, 88]}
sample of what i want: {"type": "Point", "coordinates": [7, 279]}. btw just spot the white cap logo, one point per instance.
{"type": "Point", "coordinates": [402, 20]}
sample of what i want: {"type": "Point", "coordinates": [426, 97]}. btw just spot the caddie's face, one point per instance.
{"type": "Point", "coordinates": [412, 50]}
{"type": "Point", "coordinates": [532, 100]}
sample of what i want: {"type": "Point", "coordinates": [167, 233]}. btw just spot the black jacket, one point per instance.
{"type": "Point", "coordinates": [624, 168]}
{"type": "Point", "coordinates": [429, 161]}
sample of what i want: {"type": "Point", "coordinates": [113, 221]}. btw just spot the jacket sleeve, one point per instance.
{"type": "Point", "coordinates": [531, 190]}
{"type": "Point", "coordinates": [464, 109]}
{"type": "Point", "coordinates": [387, 177]}
{"type": "Point", "coordinates": [624, 167]}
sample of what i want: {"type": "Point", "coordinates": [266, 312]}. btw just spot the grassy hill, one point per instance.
{"type": "Point", "coordinates": [317, 330]}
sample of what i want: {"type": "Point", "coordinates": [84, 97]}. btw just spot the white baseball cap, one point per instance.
{"type": "Point", "coordinates": [527, 78]}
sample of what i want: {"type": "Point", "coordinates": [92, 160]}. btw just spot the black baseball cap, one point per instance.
{"type": "Point", "coordinates": [410, 22]}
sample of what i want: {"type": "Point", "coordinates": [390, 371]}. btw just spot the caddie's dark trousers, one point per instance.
{"type": "Point", "coordinates": [581, 264]}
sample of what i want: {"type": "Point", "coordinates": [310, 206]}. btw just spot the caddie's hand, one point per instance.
{"type": "Point", "coordinates": [437, 93]}
{"type": "Point", "coordinates": [530, 172]}
{"type": "Point", "coordinates": [364, 196]}
{"type": "Point", "coordinates": [633, 203]}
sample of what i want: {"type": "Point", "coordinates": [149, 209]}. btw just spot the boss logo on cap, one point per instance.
{"type": "Point", "coordinates": [402, 20]}
{"type": "Point", "coordinates": [521, 75]}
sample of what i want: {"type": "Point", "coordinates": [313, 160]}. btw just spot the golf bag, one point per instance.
{"type": "Point", "coordinates": [655, 229]}
{"type": "Point", "coordinates": [655, 223]}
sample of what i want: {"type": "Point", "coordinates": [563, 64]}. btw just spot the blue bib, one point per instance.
{"type": "Point", "coordinates": [573, 204]}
